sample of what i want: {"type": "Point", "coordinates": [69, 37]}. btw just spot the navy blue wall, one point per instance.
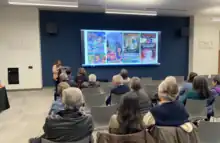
{"type": "Point", "coordinates": [66, 44]}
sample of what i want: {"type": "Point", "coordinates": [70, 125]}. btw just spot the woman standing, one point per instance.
{"type": "Point", "coordinates": [55, 70]}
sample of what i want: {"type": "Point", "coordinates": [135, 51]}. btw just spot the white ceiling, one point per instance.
{"type": "Point", "coordinates": [163, 7]}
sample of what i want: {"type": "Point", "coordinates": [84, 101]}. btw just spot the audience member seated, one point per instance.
{"type": "Point", "coordinates": [81, 77]}
{"type": "Point", "coordinates": [92, 82]}
{"type": "Point", "coordinates": [63, 77]}
{"type": "Point", "coordinates": [216, 85]}
{"type": "Point", "coordinates": [200, 91]}
{"type": "Point", "coordinates": [144, 100]}
{"type": "Point", "coordinates": [169, 112]}
{"type": "Point", "coordinates": [119, 88]}
{"type": "Point", "coordinates": [58, 105]}
{"type": "Point", "coordinates": [187, 86]}
{"type": "Point", "coordinates": [70, 80]}
{"type": "Point", "coordinates": [128, 119]}
{"type": "Point", "coordinates": [70, 124]}
{"type": "Point", "coordinates": [124, 74]}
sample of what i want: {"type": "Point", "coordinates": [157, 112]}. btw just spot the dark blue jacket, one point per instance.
{"type": "Point", "coordinates": [170, 114]}
{"type": "Point", "coordinates": [118, 90]}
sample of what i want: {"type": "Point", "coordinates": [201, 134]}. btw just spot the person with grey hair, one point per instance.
{"type": "Point", "coordinates": [124, 75]}
{"type": "Point", "coordinates": [69, 125]}
{"type": "Point", "coordinates": [144, 100]}
{"type": "Point", "coordinates": [169, 112]}
{"type": "Point", "coordinates": [58, 104]}
{"type": "Point", "coordinates": [119, 88]}
{"type": "Point", "coordinates": [92, 83]}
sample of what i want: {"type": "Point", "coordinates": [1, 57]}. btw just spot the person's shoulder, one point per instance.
{"type": "Point", "coordinates": [113, 123]}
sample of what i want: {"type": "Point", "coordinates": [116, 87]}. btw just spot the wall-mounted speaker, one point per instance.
{"type": "Point", "coordinates": [52, 28]}
{"type": "Point", "coordinates": [13, 76]}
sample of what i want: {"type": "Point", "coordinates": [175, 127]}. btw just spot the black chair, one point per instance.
{"type": "Point", "coordinates": [102, 114]}
{"type": "Point", "coordinates": [209, 132]}
{"type": "Point", "coordinates": [196, 109]}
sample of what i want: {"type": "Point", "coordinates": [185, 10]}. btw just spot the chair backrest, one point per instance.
{"type": "Point", "coordinates": [217, 106]}
{"type": "Point", "coordinates": [91, 91]}
{"type": "Point", "coordinates": [179, 79]}
{"type": "Point", "coordinates": [102, 114]}
{"type": "Point", "coordinates": [151, 90]}
{"type": "Point", "coordinates": [95, 100]}
{"type": "Point", "coordinates": [164, 134]}
{"type": "Point", "coordinates": [206, 76]}
{"type": "Point", "coordinates": [85, 140]}
{"type": "Point", "coordinates": [196, 108]}
{"type": "Point", "coordinates": [115, 98]}
{"type": "Point", "coordinates": [213, 75]}
{"type": "Point", "coordinates": [146, 80]}
{"type": "Point", "coordinates": [106, 86]}
{"type": "Point", "coordinates": [209, 132]}
{"type": "Point", "coordinates": [156, 82]}
{"type": "Point", "coordinates": [140, 137]}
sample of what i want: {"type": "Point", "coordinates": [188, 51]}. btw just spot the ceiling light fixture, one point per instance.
{"type": "Point", "coordinates": [130, 12]}
{"type": "Point", "coordinates": [67, 5]}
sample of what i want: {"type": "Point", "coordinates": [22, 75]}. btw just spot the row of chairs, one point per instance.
{"type": "Point", "coordinates": [208, 132]}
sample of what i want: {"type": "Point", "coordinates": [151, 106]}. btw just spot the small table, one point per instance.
{"type": "Point", "coordinates": [4, 103]}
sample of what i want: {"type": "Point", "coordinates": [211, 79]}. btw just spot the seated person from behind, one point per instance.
{"type": "Point", "coordinates": [201, 91]}
{"type": "Point", "coordinates": [63, 77]}
{"type": "Point", "coordinates": [58, 104]}
{"type": "Point", "coordinates": [70, 81]}
{"type": "Point", "coordinates": [69, 125]}
{"type": "Point", "coordinates": [216, 86]}
{"type": "Point", "coordinates": [187, 86]}
{"type": "Point", "coordinates": [119, 88]}
{"type": "Point", "coordinates": [81, 77]}
{"type": "Point", "coordinates": [128, 119]}
{"type": "Point", "coordinates": [144, 99]}
{"type": "Point", "coordinates": [124, 75]}
{"type": "Point", "coordinates": [92, 82]}
{"type": "Point", "coordinates": [169, 112]}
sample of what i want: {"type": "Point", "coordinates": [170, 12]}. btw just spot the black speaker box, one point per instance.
{"type": "Point", "coordinates": [13, 76]}
{"type": "Point", "coordinates": [52, 28]}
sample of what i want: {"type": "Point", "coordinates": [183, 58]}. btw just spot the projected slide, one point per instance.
{"type": "Point", "coordinates": [107, 47]}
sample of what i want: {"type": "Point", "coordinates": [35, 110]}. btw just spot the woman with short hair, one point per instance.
{"type": "Point", "coordinates": [144, 100]}
{"type": "Point", "coordinates": [69, 125]}
{"type": "Point", "coordinates": [92, 81]}
{"type": "Point", "coordinates": [128, 119]}
{"type": "Point", "coordinates": [201, 91]}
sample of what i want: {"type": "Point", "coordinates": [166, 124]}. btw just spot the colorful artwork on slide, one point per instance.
{"type": "Point", "coordinates": [131, 48]}
{"type": "Point", "coordinates": [114, 47]}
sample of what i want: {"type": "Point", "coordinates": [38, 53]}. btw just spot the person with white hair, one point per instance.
{"type": "Point", "coordinates": [118, 89]}
{"type": "Point", "coordinates": [93, 83]}
{"type": "Point", "coordinates": [70, 124]}
{"type": "Point", "coordinates": [169, 112]}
